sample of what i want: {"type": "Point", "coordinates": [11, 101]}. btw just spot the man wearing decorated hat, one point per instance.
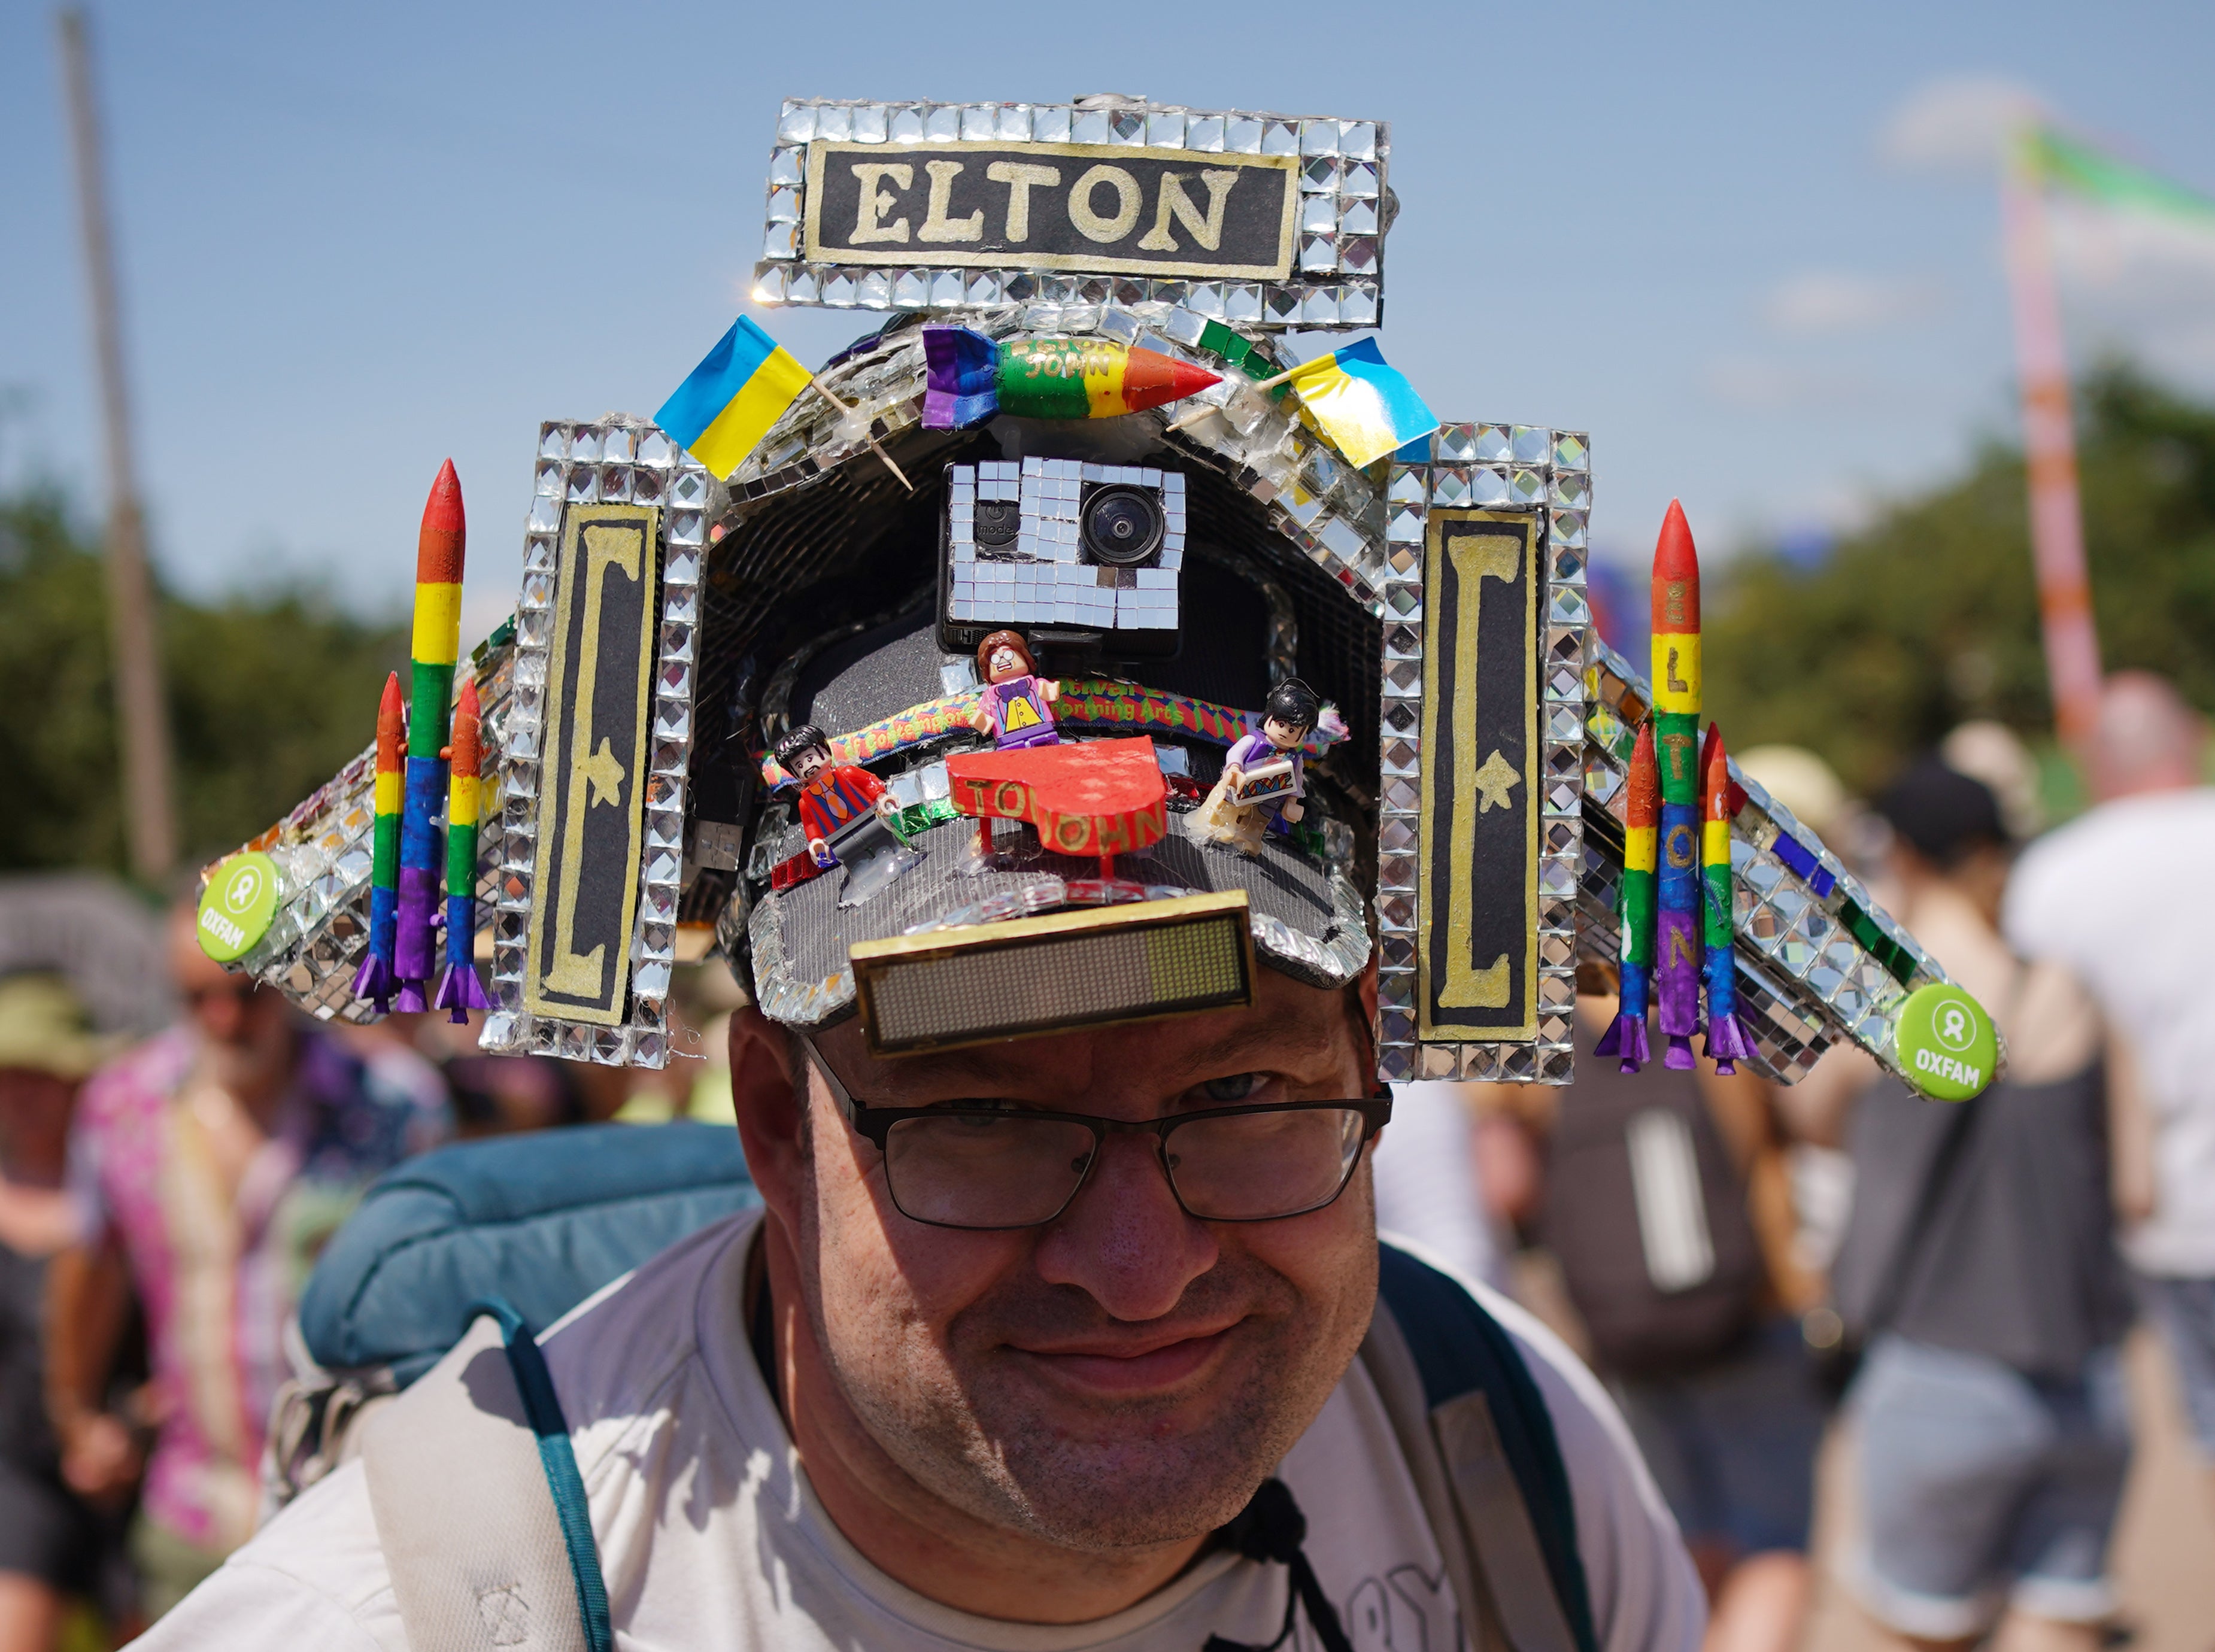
{"type": "Point", "coordinates": [1063, 1322]}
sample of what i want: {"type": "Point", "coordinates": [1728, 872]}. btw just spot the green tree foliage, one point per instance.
{"type": "Point", "coordinates": [268, 697]}
{"type": "Point", "coordinates": [1930, 616]}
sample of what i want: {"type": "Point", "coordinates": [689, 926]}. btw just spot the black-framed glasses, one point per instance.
{"type": "Point", "coordinates": [996, 1164]}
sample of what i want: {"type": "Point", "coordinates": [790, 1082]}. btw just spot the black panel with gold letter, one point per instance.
{"type": "Point", "coordinates": [1480, 778]}
{"type": "Point", "coordinates": [599, 685]}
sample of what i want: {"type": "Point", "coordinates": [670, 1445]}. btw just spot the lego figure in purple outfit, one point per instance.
{"type": "Point", "coordinates": [1264, 774]}
{"type": "Point", "coordinates": [1017, 708]}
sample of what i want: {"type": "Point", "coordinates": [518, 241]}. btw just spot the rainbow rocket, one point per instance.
{"type": "Point", "coordinates": [969, 378]}
{"type": "Point", "coordinates": [374, 980]}
{"type": "Point", "coordinates": [459, 988]}
{"type": "Point", "coordinates": [1633, 905]}
{"type": "Point", "coordinates": [437, 642]}
{"type": "Point", "coordinates": [1677, 747]}
{"type": "Point", "coordinates": [1728, 1043]}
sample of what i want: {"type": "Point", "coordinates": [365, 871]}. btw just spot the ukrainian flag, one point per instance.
{"type": "Point", "coordinates": [1365, 408]}
{"type": "Point", "coordinates": [732, 398]}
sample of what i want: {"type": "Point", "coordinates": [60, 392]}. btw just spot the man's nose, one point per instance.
{"type": "Point", "coordinates": [1123, 1240]}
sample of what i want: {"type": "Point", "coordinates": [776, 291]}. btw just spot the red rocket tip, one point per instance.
{"type": "Point", "coordinates": [468, 743]}
{"type": "Point", "coordinates": [1642, 793]}
{"type": "Point", "coordinates": [1676, 575]}
{"type": "Point", "coordinates": [1151, 379]}
{"type": "Point", "coordinates": [389, 724]}
{"type": "Point", "coordinates": [439, 546]}
{"type": "Point", "coordinates": [1721, 796]}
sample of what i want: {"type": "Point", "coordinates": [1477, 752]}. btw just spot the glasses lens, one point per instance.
{"type": "Point", "coordinates": [985, 1169]}
{"type": "Point", "coordinates": [1254, 1166]}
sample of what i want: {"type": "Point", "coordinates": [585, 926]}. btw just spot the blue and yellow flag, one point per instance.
{"type": "Point", "coordinates": [732, 397]}
{"type": "Point", "coordinates": [1365, 408]}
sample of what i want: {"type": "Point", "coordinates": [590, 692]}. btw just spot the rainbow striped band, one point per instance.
{"type": "Point", "coordinates": [1087, 705]}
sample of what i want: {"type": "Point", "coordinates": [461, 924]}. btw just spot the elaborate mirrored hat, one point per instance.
{"type": "Point", "coordinates": [1064, 652]}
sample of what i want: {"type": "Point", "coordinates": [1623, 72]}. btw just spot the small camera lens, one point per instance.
{"type": "Point", "coordinates": [998, 522]}
{"type": "Point", "coordinates": [1122, 526]}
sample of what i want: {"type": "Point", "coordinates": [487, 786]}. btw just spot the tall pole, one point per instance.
{"type": "Point", "coordinates": [148, 807]}
{"type": "Point", "coordinates": [2049, 442]}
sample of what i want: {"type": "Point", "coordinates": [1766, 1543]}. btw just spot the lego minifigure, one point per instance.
{"type": "Point", "coordinates": [1263, 774]}
{"type": "Point", "coordinates": [1017, 706]}
{"type": "Point", "coordinates": [835, 798]}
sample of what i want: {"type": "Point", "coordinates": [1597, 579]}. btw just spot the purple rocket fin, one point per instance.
{"type": "Point", "coordinates": [373, 981]}
{"type": "Point", "coordinates": [1625, 1037]}
{"type": "Point", "coordinates": [460, 990]}
{"type": "Point", "coordinates": [1728, 1043]}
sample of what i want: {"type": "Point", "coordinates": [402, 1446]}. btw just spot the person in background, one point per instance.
{"type": "Point", "coordinates": [1665, 1201]}
{"type": "Point", "coordinates": [2093, 897]}
{"type": "Point", "coordinates": [1980, 1266]}
{"type": "Point", "coordinates": [1995, 754]}
{"type": "Point", "coordinates": [51, 1546]}
{"type": "Point", "coordinates": [207, 1166]}
{"type": "Point", "coordinates": [1426, 1172]}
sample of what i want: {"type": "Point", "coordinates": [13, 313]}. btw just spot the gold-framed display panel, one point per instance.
{"type": "Point", "coordinates": [1498, 481]}
{"type": "Point", "coordinates": [1333, 273]}
{"type": "Point", "coordinates": [583, 469]}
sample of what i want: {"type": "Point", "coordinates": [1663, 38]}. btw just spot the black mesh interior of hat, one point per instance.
{"type": "Point", "coordinates": [849, 548]}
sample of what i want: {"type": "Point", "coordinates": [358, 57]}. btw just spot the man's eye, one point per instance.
{"type": "Point", "coordinates": [1237, 1087]}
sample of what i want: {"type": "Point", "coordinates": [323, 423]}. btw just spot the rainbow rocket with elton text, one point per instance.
{"type": "Point", "coordinates": [1676, 719]}
{"type": "Point", "coordinates": [972, 378]}
{"type": "Point", "coordinates": [459, 988]}
{"type": "Point", "coordinates": [374, 980]}
{"type": "Point", "coordinates": [1634, 905]}
{"type": "Point", "coordinates": [437, 643]}
{"type": "Point", "coordinates": [1727, 1044]}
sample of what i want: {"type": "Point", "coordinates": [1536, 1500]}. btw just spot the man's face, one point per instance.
{"type": "Point", "coordinates": [1127, 1374]}
{"type": "Point", "coordinates": [232, 1011]}
{"type": "Point", "coordinates": [1006, 664]}
{"type": "Point", "coordinates": [1280, 734]}
{"type": "Point", "coordinates": [812, 762]}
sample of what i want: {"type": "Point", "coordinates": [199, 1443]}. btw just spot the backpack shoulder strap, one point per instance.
{"type": "Point", "coordinates": [1478, 1439]}
{"type": "Point", "coordinates": [479, 1507]}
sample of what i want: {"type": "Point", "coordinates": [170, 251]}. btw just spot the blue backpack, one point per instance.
{"type": "Point", "coordinates": [507, 1235]}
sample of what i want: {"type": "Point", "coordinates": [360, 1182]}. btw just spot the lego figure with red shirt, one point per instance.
{"type": "Point", "coordinates": [835, 798]}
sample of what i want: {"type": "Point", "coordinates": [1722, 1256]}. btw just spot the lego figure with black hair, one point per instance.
{"type": "Point", "coordinates": [1017, 706]}
{"type": "Point", "coordinates": [834, 797]}
{"type": "Point", "coordinates": [1263, 774]}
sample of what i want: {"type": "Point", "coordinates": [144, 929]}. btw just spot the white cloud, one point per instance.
{"type": "Point", "coordinates": [1762, 385]}
{"type": "Point", "coordinates": [1839, 301]}
{"type": "Point", "coordinates": [1957, 122]}
{"type": "Point", "coordinates": [2136, 284]}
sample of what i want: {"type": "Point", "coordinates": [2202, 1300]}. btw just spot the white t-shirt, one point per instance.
{"type": "Point", "coordinates": [2120, 899]}
{"type": "Point", "coordinates": [711, 1537]}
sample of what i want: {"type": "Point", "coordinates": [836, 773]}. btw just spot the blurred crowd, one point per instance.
{"type": "Point", "coordinates": [1749, 1265]}
{"type": "Point", "coordinates": [162, 1199]}
{"type": "Point", "coordinates": [1742, 1262]}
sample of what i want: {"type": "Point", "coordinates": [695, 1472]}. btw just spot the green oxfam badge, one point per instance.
{"type": "Point", "coordinates": [1947, 1043]}
{"type": "Point", "coordinates": [236, 911]}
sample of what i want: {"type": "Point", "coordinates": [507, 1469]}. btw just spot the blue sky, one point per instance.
{"type": "Point", "coordinates": [1751, 248]}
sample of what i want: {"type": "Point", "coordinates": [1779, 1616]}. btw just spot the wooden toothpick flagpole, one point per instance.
{"type": "Point", "coordinates": [846, 412]}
